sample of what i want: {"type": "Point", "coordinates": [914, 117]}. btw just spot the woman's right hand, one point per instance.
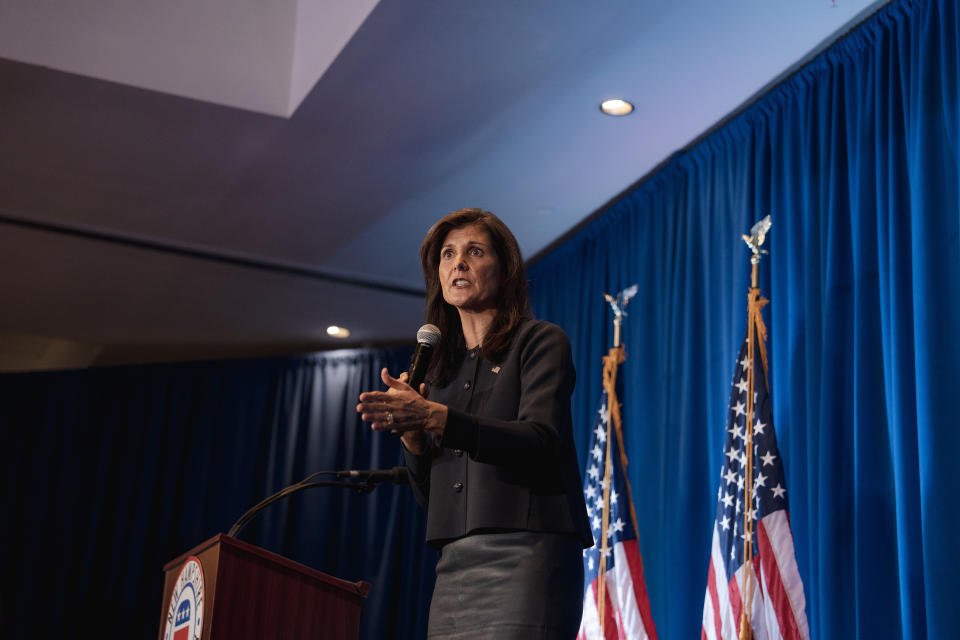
{"type": "Point", "coordinates": [415, 441]}
{"type": "Point", "coordinates": [401, 409]}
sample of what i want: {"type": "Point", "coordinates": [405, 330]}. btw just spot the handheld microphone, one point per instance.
{"type": "Point", "coordinates": [397, 475]}
{"type": "Point", "coordinates": [427, 338]}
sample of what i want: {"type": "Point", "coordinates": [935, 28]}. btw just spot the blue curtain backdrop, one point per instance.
{"type": "Point", "coordinates": [856, 160]}
{"type": "Point", "coordinates": [110, 473]}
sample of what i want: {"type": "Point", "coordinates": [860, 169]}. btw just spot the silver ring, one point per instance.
{"type": "Point", "coordinates": [389, 418]}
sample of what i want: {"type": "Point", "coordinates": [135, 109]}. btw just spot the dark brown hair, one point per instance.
{"type": "Point", "coordinates": [513, 301]}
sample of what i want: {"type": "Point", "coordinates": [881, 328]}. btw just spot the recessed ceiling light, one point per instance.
{"type": "Point", "coordinates": [616, 107]}
{"type": "Point", "coordinates": [338, 332]}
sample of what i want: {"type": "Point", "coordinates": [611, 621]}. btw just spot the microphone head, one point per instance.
{"type": "Point", "coordinates": [428, 334]}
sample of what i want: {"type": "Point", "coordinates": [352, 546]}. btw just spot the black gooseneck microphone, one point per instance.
{"type": "Point", "coordinates": [427, 338]}
{"type": "Point", "coordinates": [397, 475]}
{"type": "Point", "coordinates": [370, 479]}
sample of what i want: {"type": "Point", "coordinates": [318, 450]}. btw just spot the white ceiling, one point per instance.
{"type": "Point", "coordinates": [214, 178]}
{"type": "Point", "coordinates": [247, 54]}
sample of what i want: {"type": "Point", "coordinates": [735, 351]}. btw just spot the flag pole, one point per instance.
{"type": "Point", "coordinates": [754, 325]}
{"type": "Point", "coordinates": [611, 363]}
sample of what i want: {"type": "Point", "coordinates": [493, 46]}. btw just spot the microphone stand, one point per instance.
{"type": "Point", "coordinates": [361, 487]}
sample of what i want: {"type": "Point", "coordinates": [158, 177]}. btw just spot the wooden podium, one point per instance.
{"type": "Point", "coordinates": [242, 591]}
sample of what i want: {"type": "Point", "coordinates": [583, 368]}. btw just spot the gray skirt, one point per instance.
{"type": "Point", "coordinates": [520, 584]}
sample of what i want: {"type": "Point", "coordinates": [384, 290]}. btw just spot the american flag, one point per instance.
{"type": "Point", "coordinates": [626, 608]}
{"type": "Point", "coordinates": [775, 591]}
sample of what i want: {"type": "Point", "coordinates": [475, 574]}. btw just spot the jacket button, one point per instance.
{"type": "Point", "coordinates": [458, 486]}
{"type": "Point", "coordinates": [466, 385]}
{"type": "Point", "coordinates": [458, 452]}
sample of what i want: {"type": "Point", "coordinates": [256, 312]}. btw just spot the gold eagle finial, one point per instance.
{"type": "Point", "coordinates": [758, 233]}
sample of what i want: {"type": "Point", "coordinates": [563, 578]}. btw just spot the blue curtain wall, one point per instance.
{"type": "Point", "coordinates": [855, 158]}
{"type": "Point", "coordinates": [110, 473]}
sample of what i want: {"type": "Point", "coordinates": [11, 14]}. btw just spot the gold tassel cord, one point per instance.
{"type": "Point", "coordinates": [610, 364]}
{"type": "Point", "coordinates": [618, 426]}
{"type": "Point", "coordinates": [747, 589]}
{"type": "Point", "coordinates": [756, 335]}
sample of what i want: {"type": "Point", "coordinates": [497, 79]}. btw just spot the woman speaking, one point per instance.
{"type": "Point", "coordinates": [491, 453]}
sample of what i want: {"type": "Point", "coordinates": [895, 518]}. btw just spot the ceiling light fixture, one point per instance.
{"type": "Point", "coordinates": [338, 332]}
{"type": "Point", "coordinates": [616, 107]}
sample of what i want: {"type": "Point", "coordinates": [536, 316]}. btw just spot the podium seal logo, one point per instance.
{"type": "Point", "coordinates": [185, 613]}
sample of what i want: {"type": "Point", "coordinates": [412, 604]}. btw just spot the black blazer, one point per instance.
{"type": "Point", "coordinates": [507, 459]}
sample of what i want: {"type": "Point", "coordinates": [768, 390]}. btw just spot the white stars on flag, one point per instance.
{"type": "Point", "coordinates": [759, 480]}
{"type": "Point", "coordinates": [743, 384]}
{"type": "Point", "coordinates": [619, 527]}
{"type": "Point", "coordinates": [615, 528]}
{"type": "Point", "coordinates": [751, 509]}
{"type": "Point", "coordinates": [608, 500]}
{"type": "Point", "coordinates": [767, 492]}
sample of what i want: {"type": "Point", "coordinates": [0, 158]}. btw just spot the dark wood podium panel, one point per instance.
{"type": "Point", "coordinates": [249, 592]}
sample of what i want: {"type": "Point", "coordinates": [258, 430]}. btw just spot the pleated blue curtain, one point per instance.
{"type": "Point", "coordinates": [857, 160]}
{"type": "Point", "coordinates": [110, 473]}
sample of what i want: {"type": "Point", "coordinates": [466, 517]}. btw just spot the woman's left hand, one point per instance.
{"type": "Point", "coordinates": [401, 408]}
